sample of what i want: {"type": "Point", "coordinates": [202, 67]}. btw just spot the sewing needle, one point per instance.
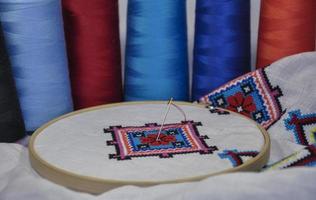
{"type": "Point", "coordinates": [164, 119]}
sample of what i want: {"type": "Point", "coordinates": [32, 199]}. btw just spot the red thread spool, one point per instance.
{"type": "Point", "coordinates": [286, 28]}
{"type": "Point", "coordinates": [92, 35]}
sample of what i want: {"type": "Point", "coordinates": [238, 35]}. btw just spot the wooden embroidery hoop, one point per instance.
{"type": "Point", "coordinates": [98, 185]}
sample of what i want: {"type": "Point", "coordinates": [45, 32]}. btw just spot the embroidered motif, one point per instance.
{"type": "Point", "coordinates": [303, 127]}
{"type": "Point", "coordinates": [251, 95]}
{"type": "Point", "coordinates": [313, 135]}
{"type": "Point", "coordinates": [236, 157]}
{"type": "Point", "coordinates": [304, 157]}
{"type": "Point", "coordinates": [140, 141]}
{"type": "Point", "coordinates": [242, 104]}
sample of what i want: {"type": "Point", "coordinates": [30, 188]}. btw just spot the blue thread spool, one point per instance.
{"type": "Point", "coordinates": [156, 50]}
{"type": "Point", "coordinates": [34, 37]}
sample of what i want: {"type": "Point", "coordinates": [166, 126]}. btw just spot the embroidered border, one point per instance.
{"type": "Point", "coordinates": [302, 126]}
{"type": "Point", "coordinates": [304, 157]}
{"type": "Point", "coordinates": [141, 141]}
{"type": "Point", "coordinates": [236, 157]}
{"type": "Point", "coordinates": [251, 95]}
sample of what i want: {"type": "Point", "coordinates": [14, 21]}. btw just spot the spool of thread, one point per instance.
{"type": "Point", "coordinates": [92, 36]}
{"type": "Point", "coordinates": [222, 43]}
{"type": "Point", "coordinates": [11, 121]}
{"type": "Point", "coordinates": [156, 66]}
{"type": "Point", "coordinates": [285, 28]}
{"type": "Point", "coordinates": [33, 31]}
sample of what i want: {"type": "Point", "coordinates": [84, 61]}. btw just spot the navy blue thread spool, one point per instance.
{"type": "Point", "coordinates": [222, 43]}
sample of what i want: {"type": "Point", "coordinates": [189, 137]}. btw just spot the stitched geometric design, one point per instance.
{"type": "Point", "coordinates": [302, 126]}
{"type": "Point", "coordinates": [236, 157]}
{"type": "Point", "coordinates": [141, 141]}
{"type": "Point", "coordinates": [251, 95]}
{"type": "Point", "coordinates": [304, 157]}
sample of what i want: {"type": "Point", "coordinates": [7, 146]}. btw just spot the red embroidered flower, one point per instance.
{"type": "Point", "coordinates": [163, 139]}
{"type": "Point", "coordinates": [241, 104]}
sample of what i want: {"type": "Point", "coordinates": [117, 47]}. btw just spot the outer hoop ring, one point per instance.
{"type": "Point", "coordinates": [98, 185]}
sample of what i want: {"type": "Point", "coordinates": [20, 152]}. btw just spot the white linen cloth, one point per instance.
{"type": "Point", "coordinates": [19, 181]}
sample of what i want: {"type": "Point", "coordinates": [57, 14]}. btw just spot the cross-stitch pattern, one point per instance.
{"type": "Point", "coordinates": [251, 95]}
{"type": "Point", "coordinates": [141, 141]}
{"type": "Point", "coordinates": [302, 126]}
{"type": "Point", "coordinates": [236, 157]}
{"type": "Point", "coordinates": [305, 157]}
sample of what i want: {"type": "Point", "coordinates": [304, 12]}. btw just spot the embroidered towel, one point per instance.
{"type": "Point", "coordinates": [280, 97]}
